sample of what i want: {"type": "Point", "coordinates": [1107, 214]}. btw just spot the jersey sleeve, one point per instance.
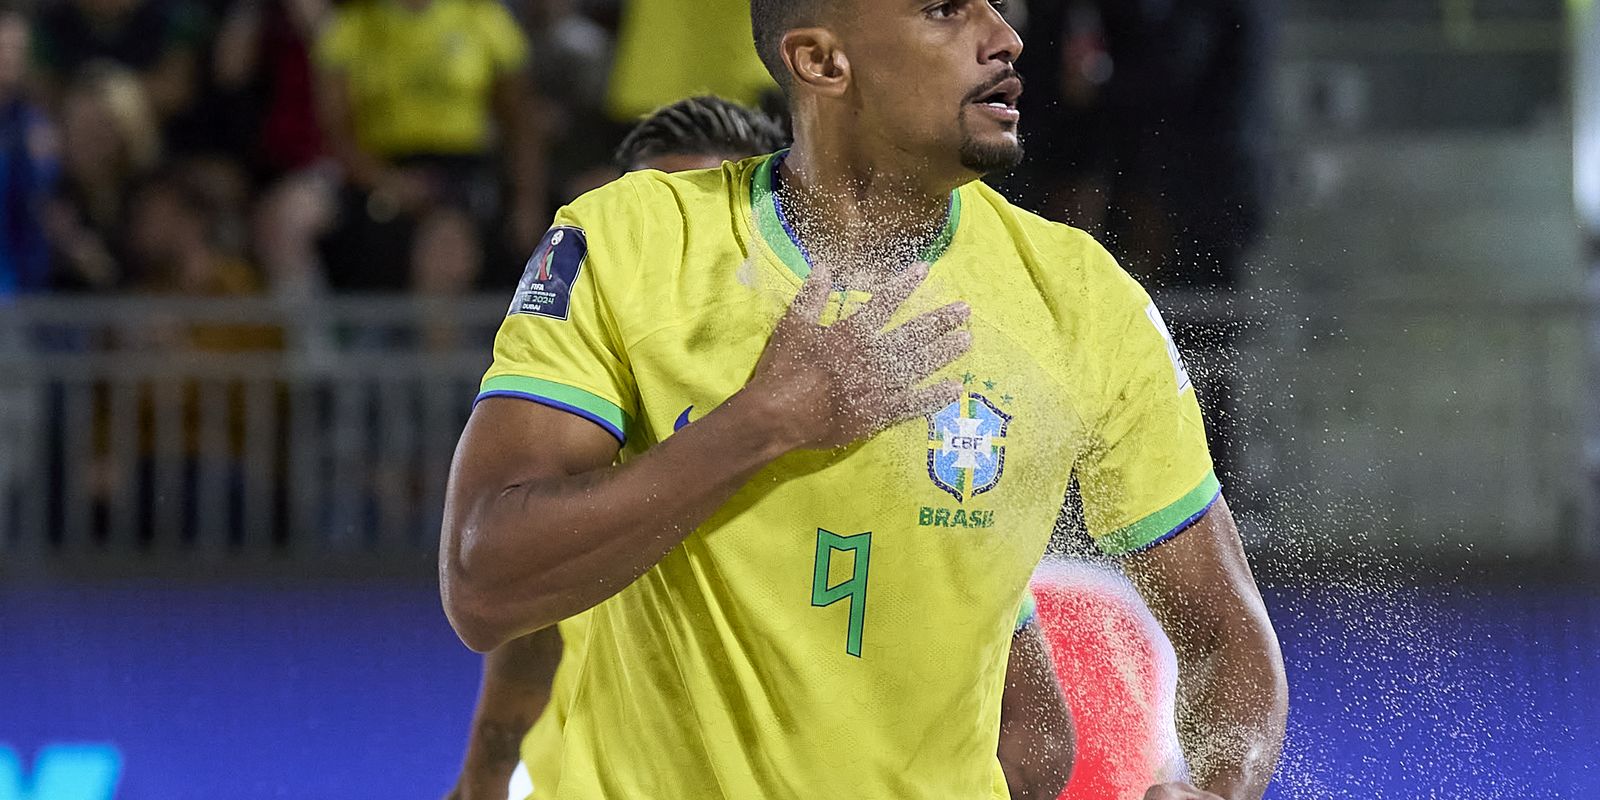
{"type": "Point", "coordinates": [559, 345]}
{"type": "Point", "coordinates": [1146, 475]}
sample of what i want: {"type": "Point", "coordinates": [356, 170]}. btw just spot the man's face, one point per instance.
{"type": "Point", "coordinates": [935, 77]}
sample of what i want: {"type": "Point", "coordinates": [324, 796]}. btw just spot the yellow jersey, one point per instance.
{"type": "Point", "coordinates": [421, 82]}
{"type": "Point", "coordinates": [839, 627]}
{"type": "Point", "coordinates": [541, 746]}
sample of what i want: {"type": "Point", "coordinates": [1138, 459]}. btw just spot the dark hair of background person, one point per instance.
{"type": "Point", "coordinates": [700, 125]}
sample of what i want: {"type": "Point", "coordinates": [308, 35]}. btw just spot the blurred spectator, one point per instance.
{"type": "Point", "coordinates": [445, 262]}
{"type": "Point", "coordinates": [1067, 68]}
{"type": "Point", "coordinates": [158, 40]}
{"type": "Point", "coordinates": [671, 49]}
{"type": "Point", "coordinates": [1150, 126]}
{"type": "Point", "coordinates": [224, 185]}
{"type": "Point", "coordinates": [109, 140]}
{"type": "Point", "coordinates": [572, 54]}
{"type": "Point", "coordinates": [262, 62]}
{"type": "Point", "coordinates": [571, 68]}
{"type": "Point", "coordinates": [263, 66]}
{"type": "Point", "coordinates": [175, 241]}
{"type": "Point", "coordinates": [415, 95]}
{"type": "Point", "coordinates": [290, 219]}
{"type": "Point", "coordinates": [29, 166]}
{"type": "Point", "coordinates": [1201, 137]}
{"type": "Point", "coordinates": [1147, 125]}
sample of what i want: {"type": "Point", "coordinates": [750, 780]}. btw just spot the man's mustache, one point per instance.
{"type": "Point", "coordinates": [992, 84]}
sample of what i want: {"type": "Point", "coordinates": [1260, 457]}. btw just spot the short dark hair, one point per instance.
{"type": "Point", "coordinates": [703, 125]}
{"type": "Point", "coordinates": [770, 20]}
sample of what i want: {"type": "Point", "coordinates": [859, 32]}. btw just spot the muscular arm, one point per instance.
{"type": "Point", "coordinates": [515, 690]}
{"type": "Point", "coordinates": [338, 127]}
{"type": "Point", "coordinates": [1037, 743]}
{"type": "Point", "coordinates": [1232, 693]}
{"type": "Point", "coordinates": [539, 526]}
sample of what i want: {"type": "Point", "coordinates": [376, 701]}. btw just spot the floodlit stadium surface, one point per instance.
{"type": "Point", "coordinates": [364, 692]}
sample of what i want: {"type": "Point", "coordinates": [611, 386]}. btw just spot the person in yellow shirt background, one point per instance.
{"type": "Point", "coordinates": [671, 49]}
{"type": "Point", "coordinates": [425, 106]}
{"type": "Point", "coordinates": [601, 66]}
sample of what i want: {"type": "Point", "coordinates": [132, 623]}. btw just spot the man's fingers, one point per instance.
{"type": "Point", "coordinates": [927, 400]}
{"type": "Point", "coordinates": [888, 298]}
{"type": "Point", "coordinates": [809, 304]}
{"type": "Point", "coordinates": [915, 366]}
{"type": "Point", "coordinates": [928, 327]}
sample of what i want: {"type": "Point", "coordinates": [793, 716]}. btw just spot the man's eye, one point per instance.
{"type": "Point", "coordinates": [942, 11]}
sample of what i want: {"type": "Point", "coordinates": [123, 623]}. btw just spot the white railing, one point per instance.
{"type": "Point", "coordinates": [229, 430]}
{"type": "Point", "coordinates": [141, 431]}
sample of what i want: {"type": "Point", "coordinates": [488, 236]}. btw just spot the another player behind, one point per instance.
{"type": "Point", "coordinates": [798, 431]}
{"type": "Point", "coordinates": [531, 679]}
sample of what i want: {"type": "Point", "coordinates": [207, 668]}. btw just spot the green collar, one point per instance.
{"type": "Point", "coordinates": [780, 236]}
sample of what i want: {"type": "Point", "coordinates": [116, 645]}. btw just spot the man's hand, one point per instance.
{"type": "Point", "coordinates": [840, 383]}
{"type": "Point", "coordinates": [540, 524]}
{"type": "Point", "coordinates": [1179, 791]}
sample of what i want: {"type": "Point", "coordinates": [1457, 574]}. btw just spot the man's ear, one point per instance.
{"type": "Point", "coordinates": [816, 61]}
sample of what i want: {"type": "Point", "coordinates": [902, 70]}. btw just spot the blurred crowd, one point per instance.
{"type": "Point", "coordinates": [293, 149]}
{"type": "Point", "coordinates": [235, 147]}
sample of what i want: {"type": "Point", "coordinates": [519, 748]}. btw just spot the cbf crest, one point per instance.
{"type": "Point", "coordinates": [547, 281]}
{"type": "Point", "coordinates": [967, 446]}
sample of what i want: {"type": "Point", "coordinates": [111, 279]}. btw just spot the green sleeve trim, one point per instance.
{"type": "Point", "coordinates": [585, 404]}
{"type": "Point", "coordinates": [1164, 524]}
{"type": "Point", "coordinates": [1028, 612]}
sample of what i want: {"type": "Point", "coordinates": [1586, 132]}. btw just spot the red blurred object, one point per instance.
{"type": "Point", "coordinates": [1119, 676]}
{"type": "Point", "coordinates": [291, 135]}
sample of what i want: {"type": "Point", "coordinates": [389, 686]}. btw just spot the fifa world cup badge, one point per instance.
{"type": "Point", "coordinates": [546, 286]}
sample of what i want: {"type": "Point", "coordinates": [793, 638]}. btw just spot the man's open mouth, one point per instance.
{"type": "Point", "coordinates": [1004, 95]}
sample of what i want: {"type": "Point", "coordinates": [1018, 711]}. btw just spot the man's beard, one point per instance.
{"type": "Point", "coordinates": [985, 158]}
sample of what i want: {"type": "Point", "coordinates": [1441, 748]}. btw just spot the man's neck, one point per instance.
{"type": "Point", "coordinates": [867, 216]}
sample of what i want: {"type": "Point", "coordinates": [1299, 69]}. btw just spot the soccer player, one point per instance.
{"type": "Point", "coordinates": [525, 683]}
{"type": "Point", "coordinates": [798, 434]}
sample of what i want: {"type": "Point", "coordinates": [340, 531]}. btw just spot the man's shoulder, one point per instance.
{"type": "Point", "coordinates": [641, 227]}
{"type": "Point", "coordinates": [662, 194]}
{"type": "Point", "coordinates": [1067, 258]}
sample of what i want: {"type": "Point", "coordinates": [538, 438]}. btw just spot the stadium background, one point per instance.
{"type": "Point", "coordinates": [236, 346]}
